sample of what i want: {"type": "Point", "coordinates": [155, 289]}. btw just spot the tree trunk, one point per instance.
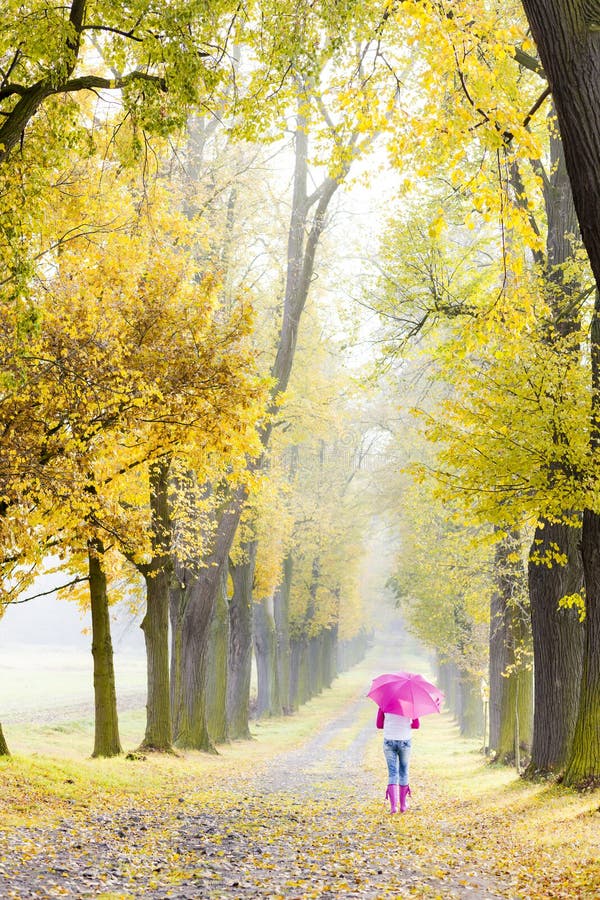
{"type": "Point", "coordinates": [176, 612]}
{"type": "Point", "coordinates": [583, 767]}
{"type": "Point", "coordinates": [281, 611]}
{"type": "Point", "coordinates": [265, 642]}
{"type": "Point", "coordinates": [329, 656]}
{"type": "Point", "coordinates": [4, 751]}
{"type": "Point", "coordinates": [566, 34]}
{"type": "Point", "coordinates": [106, 737]}
{"type": "Point", "coordinates": [516, 711]}
{"type": "Point", "coordinates": [557, 633]}
{"type": "Point", "coordinates": [315, 665]}
{"type": "Point", "coordinates": [192, 601]}
{"type": "Point", "coordinates": [448, 682]}
{"type": "Point", "coordinates": [511, 700]}
{"type": "Point", "coordinates": [352, 651]}
{"type": "Point", "coordinates": [240, 646]}
{"type": "Point", "coordinates": [557, 647]}
{"type": "Point", "coordinates": [470, 719]}
{"type": "Point", "coordinates": [299, 692]}
{"type": "Point", "coordinates": [497, 665]}
{"type": "Point", "coordinates": [217, 680]}
{"type": "Point", "coordinates": [155, 624]}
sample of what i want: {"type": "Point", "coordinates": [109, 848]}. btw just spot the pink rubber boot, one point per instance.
{"type": "Point", "coordinates": [404, 794]}
{"type": "Point", "coordinates": [393, 794]}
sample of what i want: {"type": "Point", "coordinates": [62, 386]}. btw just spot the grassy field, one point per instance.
{"type": "Point", "coordinates": [38, 678]}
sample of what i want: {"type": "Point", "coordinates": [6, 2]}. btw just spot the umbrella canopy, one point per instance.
{"type": "Point", "coordinates": [405, 694]}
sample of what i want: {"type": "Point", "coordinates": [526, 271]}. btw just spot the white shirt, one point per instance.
{"type": "Point", "coordinates": [396, 728]}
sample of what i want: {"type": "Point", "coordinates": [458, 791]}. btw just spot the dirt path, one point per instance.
{"type": "Point", "coordinates": [311, 824]}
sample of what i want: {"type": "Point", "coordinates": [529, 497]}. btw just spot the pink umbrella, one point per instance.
{"type": "Point", "coordinates": [405, 694]}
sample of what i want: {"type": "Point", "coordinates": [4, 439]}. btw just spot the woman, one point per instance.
{"type": "Point", "coordinates": [396, 749]}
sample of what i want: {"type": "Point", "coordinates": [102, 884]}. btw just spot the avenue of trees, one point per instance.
{"type": "Point", "coordinates": [184, 421]}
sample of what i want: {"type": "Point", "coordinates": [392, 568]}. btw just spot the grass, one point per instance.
{"type": "Point", "coordinates": [36, 677]}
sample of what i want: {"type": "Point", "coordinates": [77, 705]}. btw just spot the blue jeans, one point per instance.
{"type": "Point", "coordinates": [397, 754]}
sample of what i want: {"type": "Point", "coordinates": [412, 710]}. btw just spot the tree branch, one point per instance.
{"type": "Point", "coordinates": [126, 34]}
{"type": "Point", "coordinates": [45, 593]}
{"type": "Point", "coordinates": [95, 82]}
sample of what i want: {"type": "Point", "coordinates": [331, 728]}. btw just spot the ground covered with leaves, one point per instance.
{"type": "Point", "coordinates": [298, 812]}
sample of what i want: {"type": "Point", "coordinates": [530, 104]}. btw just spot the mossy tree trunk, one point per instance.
{"type": "Point", "coordinates": [4, 751]}
{"type": "Point", "coordinates": [191, 609]}
{"type": "Point", "coordinates": [106, 734]}
{"type": "Point", "coordinates": [583, 766]}
{"type": "Point", "coordinates": [329, 655]}
{"type": "Point", "coordinates": [281, 612]}
{"type": "Point", "coordinates": [265, 644]}
{"type": "Point", "coordinates": [497, 665]}
{"type": "Point", "coordinates": [512, 693]}
{"type": "Point", "coordinates": [299, 680]}
{"type": "Point", "coordinates": [470, 717]}
{"type": "Point", "coordinates": [240, 645]}
{"type": "Point", "coordinates": [176, 613]}
{"type": "Point", "coordinates": [315, 664]}
{"type": "Point", "coordinates": [155, 624]}
{"type": "Point", "coordinates": [217, 676]}
{"type": "Point", "coordinates": [557, 646]}
{"type": "Point", "coordinates": [448, 681]}
{"type": "Point", "coordinates": [193, 596]}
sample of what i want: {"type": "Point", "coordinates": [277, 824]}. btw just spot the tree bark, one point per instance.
{"type": "Point", "coordinates": [192, 601]}
{"type": "Point", "coordinates": [191, 607]}
{"type": "Point", "coordinates": [281, 611]}
{"type": "Point", "coordinates": [265, 642]}
{"type": "Point", "coordinates": [155, 624]}
{"type": "Point", "coordinates": [217, 678]}
{"type": "Point", "coordinates": [315, 667]}
{"type": "Point", "coordinates": [330, 670]}
{"type": "Point", "coordinates": [513, 642]}
{"type": "Point", "coordinates": [583, 767]}
{"type": "Point", "coordinates": [448, 679]}
{"type": "Point", "coordinates": [557, 647]}
{"type": "Point", "coordinates": [106, 738]}
{"type": "Point", "coordinates": [299, 689]}
{"type": "Point", "coordinates": [497, 665]}
{"type": "Point", "coordinates": [240, 646]}
{"type": "Point", "coordinates": [557, 633]}
{"type": "Point", "coordinates": [470, 718]}
{"type": "Point", "coordinates": [4, 751]}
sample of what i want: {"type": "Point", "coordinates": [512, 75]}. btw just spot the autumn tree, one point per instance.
{"type": "Point", "coordinates": [565, 34]}
{"type": "Point", "coordinates": [512, 131]}
{"type": "Point", "coordinates": [307, 567]}
{"type": "Point", "coordinates": [339, 141]}
{"type": "Point", "coordinates": [132, 365]}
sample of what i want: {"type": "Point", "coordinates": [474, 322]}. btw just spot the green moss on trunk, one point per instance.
{"type": "Point", "coordinates": [106, 738]}
{"type": "Point", "coordinates": [4, 751]}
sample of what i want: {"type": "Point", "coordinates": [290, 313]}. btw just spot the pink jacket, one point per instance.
{"type": "Point", "coordinates": [381, 716]}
